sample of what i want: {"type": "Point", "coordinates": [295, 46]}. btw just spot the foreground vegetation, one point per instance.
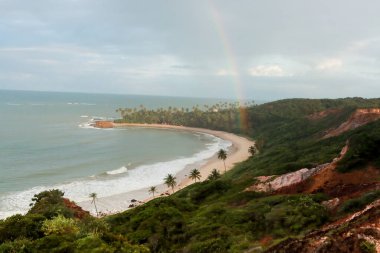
{"type": "Point", "coordinates": [51, 226]}
{"type": "Point", "coordinates": [216, 215]}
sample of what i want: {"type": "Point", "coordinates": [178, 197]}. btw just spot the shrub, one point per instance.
{"type": "Point", "coordinates": [60, 226]}
{"type": "Point", "coordinates": [50, 204]}
{"type": "Point", "coordinates": [19, 226]}
{"type": "Point", "coordinates": [19, 246]}
{"type": "Point", "coordinates": [367, 247]}
{"type": "Point", "coordinates": [208, 188]}
{"type": "Point", "coordinates": [360, 202]}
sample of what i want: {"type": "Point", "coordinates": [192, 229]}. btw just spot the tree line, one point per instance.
{"type": "Point", "coordinates": [221, 116]}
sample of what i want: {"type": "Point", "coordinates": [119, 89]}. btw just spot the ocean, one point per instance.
{"type": "Point", "coordinates": [45, 143]}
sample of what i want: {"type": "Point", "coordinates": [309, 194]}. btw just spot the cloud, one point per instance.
{"type": "Point", "coordinates": [179, 48]}
{"type": "Point", "coordinates": [330, 64]}
{"type": "Point", "coordinates": [268, 71]}
{"type": "Point", "coordinates": [226, 72]}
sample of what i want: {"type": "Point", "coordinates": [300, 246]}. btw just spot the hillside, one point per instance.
{"type": "Point", "coordinates": [332, 141]}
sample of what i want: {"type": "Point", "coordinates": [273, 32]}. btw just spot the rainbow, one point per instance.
{"type": "Point", "coordinates": [233, 68]}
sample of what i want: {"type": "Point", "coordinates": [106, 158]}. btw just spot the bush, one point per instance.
{"type": "Point", "coordinates": [216, 245]}
{"type": "Point", "coordinates": [367, 247]}
{"type": "Point", "coordinates": [92, 243]}
{"type": "Point", "coordinates": [356, 204]}
{"type": "Point", "coordinates": [60, 226]}
{"type": "Point", "coordinates": [50, 204]}
{"type": "Point", "coordinates": [363, 150]}
{"type": "Point", "coordinates": [209, 188]}
{"type": "Point", "coordinates": [19, 226]}
{"type": "Point", "coordinates": [19, 246]}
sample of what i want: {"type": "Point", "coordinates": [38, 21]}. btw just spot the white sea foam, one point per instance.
{"type": "Point", "coordinates": [78, 103]}
{"type": "Point", "coordinates": [86, 125]}
{"type": "Point", "coordinates": [118, 171]}
{"type": "Point", "coordinates": [138, 178]}
{"type": "Point", "coordinates": [13, 104]}
{"type": "Point", "coordinates": [84, 116]}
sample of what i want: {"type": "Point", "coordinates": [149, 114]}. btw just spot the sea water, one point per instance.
{"type": "Point", "coordinates": [45, 143]}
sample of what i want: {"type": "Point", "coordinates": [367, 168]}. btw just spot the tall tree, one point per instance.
{"type": "Point", "coordinates": [170, 181]}
{"type": "Point", "coordinates": [152, 190]}
{"type": "Point", "coordinates": [222, 155]}
{"type": "Point", "coordinates": [252, 150]}
{"type": "Point", "coordinates": [195, 174]}
{"type": "Point", "coordinates": [214, 175]}
{"type": "Point", "coordinates": [94, 197]}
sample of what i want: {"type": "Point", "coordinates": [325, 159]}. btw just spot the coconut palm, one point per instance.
{"type": "Point", "coordinates": [152, 190]}
{"type": "Point", "coordinates": [195, 174]}
{"type": "Point", "coordinates": [222, 155]}
{"type": "Point", "coordinates": [214, 175]}
{"type": "Point", "coordinates": [94, 197]}
{"type": "Point", "coordinates": [169, 180]}
{"type": "Point", "coordinates": [252, 150]}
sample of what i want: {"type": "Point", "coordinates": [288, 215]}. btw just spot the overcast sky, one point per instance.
{"type": "Point", "coordinates": [232, 49]}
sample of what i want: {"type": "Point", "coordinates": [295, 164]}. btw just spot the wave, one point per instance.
{"type": "Point", "coordinates": [118, 171]}
{"type": "Point", "coordinates": [78, 103]}
{"type": "Point", "coordinates": [13, 104]}
{"type": "Point", "coordinates": [87, 125]}
{"type": "Point", "coordinates": [140, 177]}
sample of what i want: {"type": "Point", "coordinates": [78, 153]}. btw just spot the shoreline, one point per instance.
{"type": "Point", "coordinates": [237, 152]}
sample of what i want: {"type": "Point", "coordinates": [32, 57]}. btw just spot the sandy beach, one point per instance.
{"type": "Point", "coordinates": [237, 152]}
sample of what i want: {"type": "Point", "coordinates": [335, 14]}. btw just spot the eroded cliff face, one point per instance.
{"type": "Point", "coordinates": [275, 183]}
{"type": "Point", "coordinates": [104, 124]}
{"type": "Point", "coordinates": [352, 233]}
{"type": "Point", "coordinates": [323, 178]}
{"type": "Point", "coordinates": [356, 233]}
{"type": "Point", "coordinates": [359, 118]}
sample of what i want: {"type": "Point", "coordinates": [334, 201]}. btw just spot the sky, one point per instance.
{"type": "Point", "coordinates": [238, 49]}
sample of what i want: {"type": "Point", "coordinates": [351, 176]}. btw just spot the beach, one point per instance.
{"type": "Point", "coordinates": [237, 152]}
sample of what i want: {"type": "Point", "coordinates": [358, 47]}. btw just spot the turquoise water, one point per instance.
{"type": "Point", "coordinates": [43, 146]}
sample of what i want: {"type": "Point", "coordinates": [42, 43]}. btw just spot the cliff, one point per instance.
{"type": "Point", "coordinates": [359, 118]}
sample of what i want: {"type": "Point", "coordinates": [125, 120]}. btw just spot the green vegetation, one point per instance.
{"type": "Point", "coordinates": [222, 116]}
{"type": "Point", "coordinates": [252, 150]}
{"type": "Point", "coordinates": [93, 197]}
{"type": "Point", "coordinates": [152, 190]}
{"type": "Point", "coordinates": [170, 181]}
{"type": "Point", "coordinates": [47, 228]}
{"type": "Point", "coordinates": [216, 215]}
{"type": "Point", "coordinates": [356, 204]}
{"type": "Point", "coordinates": [194, 175]}
{"type": "Point", "coordinates": [367, 247]}
{"type": "Point", "coordinates": [222, 155]}
{"type": "Point", "coordinates": [214, 175]}
{"type": "Point", "coordinates": [202, 217]}
{"type": "Point", "coordinates": [363, 149]}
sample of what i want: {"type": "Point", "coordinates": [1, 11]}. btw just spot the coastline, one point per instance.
{"type": "Point", "coordinates": [237, 152]}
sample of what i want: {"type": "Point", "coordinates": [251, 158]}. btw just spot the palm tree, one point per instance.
{"type": "Point", "coordinates": [94, 196]}
{"type": "Point", "coordinates": [153, 190]}
{"type": "Point", "coordinates": [214, 175]}
{"type": "Point", "coordinates": [252, 150]}
{"type": "Point", "coordinates": [195, 174]}
{"type": "Point", "coordinates": [222, 155]}
{"type": "Point", "coordinates": [170, 181]}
